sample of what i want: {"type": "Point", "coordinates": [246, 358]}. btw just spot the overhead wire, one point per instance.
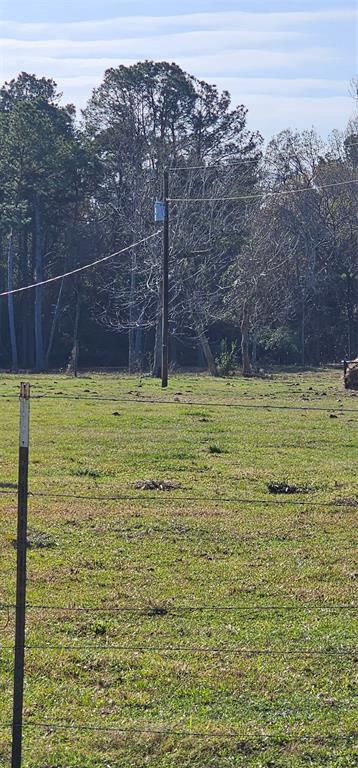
{"type": "Point", "coordinates": [81, 269]}
{"type": "Point", "coordinates": [224, 165]}
{"type": "Point", "coordinates": [260, 195]}
{"type": "Point", "coordinates": [228, 163]}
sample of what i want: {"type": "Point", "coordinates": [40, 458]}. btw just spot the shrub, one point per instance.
{"type": "Point", "coordinates": [226, 361]}
{"type": "Point", "coordinates": [280, 344]}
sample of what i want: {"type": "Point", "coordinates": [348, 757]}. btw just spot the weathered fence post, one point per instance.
{"type": "Point", "coordinates": [21, 576]}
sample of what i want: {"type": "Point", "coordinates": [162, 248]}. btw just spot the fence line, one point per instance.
{"type": "Point", "coordinates": [200, 403]}
{"type": "Point", "coordinates": [165, 499]}
{"type": "Point", "coordinates": [190, 733]}
{"type": "Point", "coordinates": [192, 650]}
{"type": "Point", "coordinates": [153, 611]}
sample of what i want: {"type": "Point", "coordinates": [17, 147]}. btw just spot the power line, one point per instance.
{"type": "Point", "coordinates": [80, 269]}
{"type": "Point", "coordinates": [224, 165]}
{"type": "Point", "coordinates": [258, 196]}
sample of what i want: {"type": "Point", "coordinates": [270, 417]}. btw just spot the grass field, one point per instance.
{"type": "Point", "coordinates": [207, 572]}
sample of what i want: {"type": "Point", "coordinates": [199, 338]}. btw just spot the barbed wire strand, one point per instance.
{"type": "Point", "coordinates": [193, 499]}
{"type": "Point", "coordinates": [191, 650]}
{"type": "Point", "coordinates": [199, 403]}
{"type": "Point", "coordinates": [186, 733]}
{"type": "Point", "coordinates": [153, 611]}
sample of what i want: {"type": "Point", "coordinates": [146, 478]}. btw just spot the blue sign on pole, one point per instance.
{"type": "Point", "coordinates": [159, 212]}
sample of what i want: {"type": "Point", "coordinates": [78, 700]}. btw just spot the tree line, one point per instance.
{"type": "Point", "coordinates": [263, 259]}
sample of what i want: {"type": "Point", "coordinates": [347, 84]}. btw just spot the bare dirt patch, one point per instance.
{"type": "Point", "coordinates": [156, 485]}
{"type": "Point", "coordinates": [284, 487]}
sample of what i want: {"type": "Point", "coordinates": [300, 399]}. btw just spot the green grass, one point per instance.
{"type": "Point", "coordinates": [202, 544]}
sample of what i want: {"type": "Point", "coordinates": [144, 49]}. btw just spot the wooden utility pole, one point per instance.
{"type": "Point", "coordinates": [21, 576]}
{"type": "Point", "coordinates": [165, 284]}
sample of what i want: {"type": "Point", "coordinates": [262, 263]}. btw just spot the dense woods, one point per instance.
{"type": "Point", "coordinates": [263, 263]}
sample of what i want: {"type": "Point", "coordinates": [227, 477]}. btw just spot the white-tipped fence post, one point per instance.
{"type": "Point", "coordinates": [22, 492]}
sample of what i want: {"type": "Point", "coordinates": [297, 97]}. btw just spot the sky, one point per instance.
{"type": "Point", "coordinates": [289, 61]}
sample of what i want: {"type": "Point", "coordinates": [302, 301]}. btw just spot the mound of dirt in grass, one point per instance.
{"type": "Point", "coordinates": [351, 375]}
{"type": "Point", "coordinates": [349, 502]}
{"type": "Point", "coordinates": [155, 610]}
{"type": "Point", "coordinates": [38, 540]}
{"type": "Point", "coordinates": [284, 487]}
{"type": "Point", "coordinates": [156, 485]}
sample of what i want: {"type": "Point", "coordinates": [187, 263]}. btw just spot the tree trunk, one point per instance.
{"type": "Point", "coordinates": [208, 355]}
{"type": "Point", "coordinates": [10, 306]}
{"type": "Point", "coordinates": [131, 334]}
{"type": "Point", "coordinates": [357, 313]}
{"type": "Point", "coordinates": [200, 359]}
{"type": "Point", "coordinates": [157, 358]}
{"type": "Point", "coordinates": [131, 353]}
{"type": "Point", "coordinates": [138, 348]}
{"type": "Point", "coordinates": [245, 342]}
{"type": "Point", "coordinates": [254, 352]}
{"type": "Point", "coordinates": [173, 347]}
{"type": "Point", "coordinates": [54, 324]}
{"type": "Point", "coordinates": [1, 303]}
{"type": "Point", "coordinates": [24, 302]}
{"type": "Point", "coordinates": [72, 367]}
{"type": "Point", "coordinates": [350, 316]}
{"type": "Point", "coordinates": [39, 342]}
{"type": "Point", "coordinates": [303, 332]}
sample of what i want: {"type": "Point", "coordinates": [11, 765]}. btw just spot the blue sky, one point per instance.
{"type": "Point", "coordinates": [289, 61]}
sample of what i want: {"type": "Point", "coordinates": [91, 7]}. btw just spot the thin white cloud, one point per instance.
{"type": "Point", "coordinates": [189, 42]}
{"type": "Point", "coordinates": [56, 68]}
{"type": "Point", "coordinates": [273, 62]}
{"type": "Point", "coordinates": [283, 86]}
{"type": "Point", "coordinates": [278, 113]}
{"type": "Point", "coordinates": [214, 64]}
{"type": "Point", "coordinates": [259, 60]}
{"type": "Point", "coordinates": [216, 21]}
